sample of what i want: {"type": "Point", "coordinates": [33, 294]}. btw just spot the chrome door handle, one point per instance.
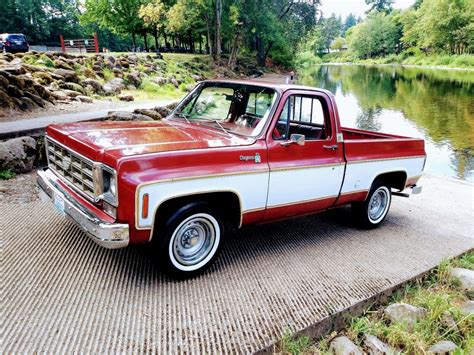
{"type": "Point", "coordinates": [331, 147]}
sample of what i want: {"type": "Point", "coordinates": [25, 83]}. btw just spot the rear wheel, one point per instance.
{"type": "Point", "coordinates": [372, 212]}
{"type": "Point", "coordinates": [189, 241]}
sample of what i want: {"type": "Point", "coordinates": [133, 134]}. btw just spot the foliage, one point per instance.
{"type": "Point", "coordinates": [376, 36]}
{"type": "Point", "coordinates": [446, 25]}
{"type": "Point", "coordinates": [6, 174]}
{"type": "Point", "coordinates": [380, 5]}
{"type": "Point", "coordinates": [338, 43]}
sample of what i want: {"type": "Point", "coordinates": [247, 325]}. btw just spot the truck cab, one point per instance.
{"type": "Point", "coordinates": [231, 153]}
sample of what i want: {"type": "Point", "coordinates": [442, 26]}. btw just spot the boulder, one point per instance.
{"type": "Point", "coordinates": [73, 87]}
{"type": "Point", "coordinates": [160, 80]}
{"type": "Point", "coordinates": [58, 63]}
{"type": "Point", "coordinates": [375, 346]}
{"type": "Point", "coordinates": [71, 93]}
{"type": "Point", "coordinates": [45, 76]}
{"type": "Point", "coordinates": [4, 82]}
{"type": "Point", "coordinates": [125, 97]}
{"type": "Point", "coordinates": [15, 68]}
{"type": "Point", "coordinates": [174, 82]}
{"type": "Point", "coordinates": [26, 103]}
{"type": "Point", "coordinates": [126, 116]}
{"type": "Point", "coordinates": [83, 98]}
{"type": "Point", "coordinates": [133, 79]}
{"type": "Point", "coordinates": [151, 113]}
{"type": "Point", "coordinates": [404, 313]}
{"type": "Point", "coordinates": [467, 308]}
{"type": "Point", "coordinates": [42, 91]}
{"type": "Point", "coordinates": [95, 85]}
{"type": "Point", "coordinates": [442, 348]}
{"type": "Point", "coordinates": [344, 346]}
{"type": "Point", "coordinates": [6, 101]}
{"type": "Point", "coordinates": [35, 98]}
{"type": "Point", "coordinates": [67, 75]}
{"type": "Point", "coordinates": [14, 91]}
{"type": "Point", "coordinates": [466, 278]}
{"type": "Point", "coordinates": [114, 86]}
{"type": "Point", "coordinates": [60, 95]}
{"type": "Point", "coordinates": [18, 154]}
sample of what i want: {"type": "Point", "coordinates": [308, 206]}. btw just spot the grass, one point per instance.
{"type": "Point", "coordinates": [465, 61]}
{"type": "Point", "coordinates": [438, 293]}
{"type": "Point", "coordinates": [6, 174]}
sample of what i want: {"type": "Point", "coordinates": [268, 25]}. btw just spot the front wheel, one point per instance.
{"type": "Point", "coordinates": [190, 241]}
{"type": "Point", "coordinates": [371, 213]}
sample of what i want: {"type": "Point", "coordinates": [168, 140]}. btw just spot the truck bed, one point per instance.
{"type": "Point", "coordinates": [363, 145]}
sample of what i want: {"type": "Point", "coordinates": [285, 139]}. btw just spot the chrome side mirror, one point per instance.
{"type": "Point", "coordinates": [295, 138]}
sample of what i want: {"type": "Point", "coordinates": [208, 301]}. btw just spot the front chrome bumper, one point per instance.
{"type": "Point", "coordinates": [107, 235]}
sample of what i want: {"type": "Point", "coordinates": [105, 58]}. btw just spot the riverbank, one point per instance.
{"type": "Point", "coordinates": [434, 313]}
{"type": "Point", "coordinates": [452, 62]}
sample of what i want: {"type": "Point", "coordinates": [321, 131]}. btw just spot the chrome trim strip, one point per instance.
{"type": "Point", "coordinates": [106, 234]}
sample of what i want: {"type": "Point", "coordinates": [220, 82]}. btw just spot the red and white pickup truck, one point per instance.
{"type": "Point", "coordinates": [232, 153]}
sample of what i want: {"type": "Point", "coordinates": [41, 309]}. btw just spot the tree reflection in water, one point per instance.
{"type": "Point", "coordinates": [435, 104]}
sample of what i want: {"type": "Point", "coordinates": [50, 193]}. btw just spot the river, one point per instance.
{"type": "Point", "coordinates": [434, 104]}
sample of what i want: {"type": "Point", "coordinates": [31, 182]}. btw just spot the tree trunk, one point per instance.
{"type": "Point", "coordinates": [235, 47]}
{"type": "Point", "coordinates": [157, 43]}
{"type": "Point", "coordinates": [134, 41]}
{"type": "Point", "coordinates": [217, 37]}
{"type": "Point", "coordinates": [208, 38]}
{"type": "Point", "coordinates": [146, 43]}
{"type": "Point", "coordinates": [200, 44]}
{"type": "Point", "coordinates": [166, 39]}
{"type": "Point", "coordinates": [191, 45]}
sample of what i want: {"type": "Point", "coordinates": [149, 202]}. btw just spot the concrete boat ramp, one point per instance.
{"type": "Point", "coordinates": [62, 293]}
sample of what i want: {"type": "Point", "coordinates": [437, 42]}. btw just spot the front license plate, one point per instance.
{"type": "Point", "coordinates": [59, 204]}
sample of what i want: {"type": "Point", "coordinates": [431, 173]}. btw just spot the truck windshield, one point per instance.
{"type": "Point", "coordinates": [235, 108]}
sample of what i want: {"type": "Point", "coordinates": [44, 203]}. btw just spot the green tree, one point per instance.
{"type": "Point", "coordinates": [441, 25]}
{"type": "Point", "coordinates": [153, 15]}
{"type": "Point", "coordinates": [350, 21]}
{"type": "Point", "coordinates": [378, 35]}
{"type": "Point", "coordinates": [380, 5]}
{"type": "Point", "coordinates": [120, 16]}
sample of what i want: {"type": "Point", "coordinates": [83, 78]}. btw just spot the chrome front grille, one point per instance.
{"type": "Point", "coordinates": [76, 170]}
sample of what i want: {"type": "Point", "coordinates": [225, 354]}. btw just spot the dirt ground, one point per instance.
{"type": "Point", "coordinates": [20, 189]}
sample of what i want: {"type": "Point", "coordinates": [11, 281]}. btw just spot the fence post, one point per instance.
{"type": "Point", "coordinates": [61, 40]}
{"type": "Point", "coordinates": [96, 43]}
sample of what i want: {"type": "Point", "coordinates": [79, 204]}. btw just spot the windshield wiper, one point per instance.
{"type": "Point", "coordinates": [182, 115]}
{"type": "Point", "coordinates": [227, 131]}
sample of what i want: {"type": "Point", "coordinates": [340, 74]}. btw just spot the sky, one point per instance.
{"type": "Point", "coordinates": [357, 7]}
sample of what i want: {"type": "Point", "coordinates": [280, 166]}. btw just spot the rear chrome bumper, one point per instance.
{"type": "Point", "coordinates": [107, 235]}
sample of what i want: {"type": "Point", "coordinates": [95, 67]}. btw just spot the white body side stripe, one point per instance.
{"type": "Point", "coordinates": [359, 176]}
{"type": "Point", "coordinates": [282, 186]}
{"type": "Point", "coordinates": [251, 189]}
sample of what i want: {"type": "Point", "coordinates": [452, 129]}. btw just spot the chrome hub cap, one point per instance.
{"type": "Point", "coordinates": [378, 204]}
{"type": "Point", "coordinates": [194, 239]}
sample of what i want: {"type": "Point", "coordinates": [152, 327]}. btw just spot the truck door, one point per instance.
{"type": "Point", "coordinates": [307, 177]}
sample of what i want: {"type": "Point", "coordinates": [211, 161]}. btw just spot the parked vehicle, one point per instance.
{"type": "Point", "coordinates": [14, 43]}
{"type": "Point", "coordinates": [232, 153]}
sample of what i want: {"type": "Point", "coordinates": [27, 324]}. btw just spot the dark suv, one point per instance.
{"type": "Point", "coordinates": [13, 43]}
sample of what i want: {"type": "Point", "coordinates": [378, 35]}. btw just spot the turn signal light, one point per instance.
{"type": "Point", "coordinates": [145, 199]}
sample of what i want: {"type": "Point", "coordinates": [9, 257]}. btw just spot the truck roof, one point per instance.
{"type": "Point", "coordinates": [276, 86]}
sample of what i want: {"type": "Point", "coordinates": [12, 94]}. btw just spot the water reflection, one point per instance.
{"type": "Point", "coordinates": [434, 104]}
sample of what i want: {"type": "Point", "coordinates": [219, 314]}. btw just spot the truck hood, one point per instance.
{"type": "Point", "coordinates": [109, 141]}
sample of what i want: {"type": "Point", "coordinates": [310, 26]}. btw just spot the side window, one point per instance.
{"type": "Point", "coordinates": [302, 115]}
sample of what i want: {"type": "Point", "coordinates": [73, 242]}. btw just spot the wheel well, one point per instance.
{"type": "Point", "coordinates": [396, 179]}
{"type": "Point", "coordinates": [228, 204]}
